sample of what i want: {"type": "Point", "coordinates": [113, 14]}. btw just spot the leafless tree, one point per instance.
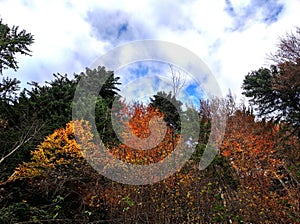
{"type": "Point", "coordinates": [178, 80]}
{"type": "Point", "coordinates": [288, 49]}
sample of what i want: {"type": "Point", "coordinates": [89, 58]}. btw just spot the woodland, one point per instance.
{"type": "Point", "coordinates": [44, 177]}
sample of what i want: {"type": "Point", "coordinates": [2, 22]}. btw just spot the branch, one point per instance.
{"type": "Point", "coordinates": [24, 139]}
{"type": "Point", "coordinates": [178, 80]}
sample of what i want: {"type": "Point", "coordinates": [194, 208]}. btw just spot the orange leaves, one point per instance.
{"type": "Point", "coordinates": [251, 148]}
{"type": "Point", "coordinates": [146, 137]}
{"type": "Point", "coordinates": [255, 151]}
{"type": "Point", "coordinates": [226, 153]}
{"type": "Point", "coordinates": [249, 143]}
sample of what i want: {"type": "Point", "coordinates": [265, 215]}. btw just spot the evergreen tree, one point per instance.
{"type": "Point", "coordinates": [170, 106]}
{"type": "Point", "coordinates": [276, 91]}
{"type": "Point", "coordinates": [35, 113]}
{"type": "Point", "coordinates": [11, 42]}
{"type": "Point", "coordinates": [13, 133]}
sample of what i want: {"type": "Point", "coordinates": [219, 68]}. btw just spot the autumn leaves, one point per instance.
{"type": "Point", "coordinates": [248, 179]}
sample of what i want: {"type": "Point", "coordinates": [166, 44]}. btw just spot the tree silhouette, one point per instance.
{"type": "Point", "coordinates": [11, 42]}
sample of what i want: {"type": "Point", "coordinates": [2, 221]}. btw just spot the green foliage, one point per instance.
{"type": "Point", "coordinates": [51, 102]}
{"type": "Point", "coordinates": [128, 203]}
{"type": "Point", "coordinates": [259, 86]}
{"type": "Point", "coordinates": [170, 106]}
{"type": "Point", "coordinates": [20, 211]}
{"type": "Point", "coordinates": [276, 91]}
{"type": "Point", "coordinates": [100, 101]}
{"type": "Point", "coordinates": [38, 112]}
{"type": "Point", "coordinates": [8, 89]}
{"type": "Point", "coordinates": [11, 42]}
{"type": "Point", "coordinates": [15, 129]}
{"type": "Point", "coordinates": [204, 120]}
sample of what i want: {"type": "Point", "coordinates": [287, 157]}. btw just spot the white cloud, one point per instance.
{"type": "Point", "coordinates": [62, 38]}
{"type": "Point", "coordinates": [232, 37]}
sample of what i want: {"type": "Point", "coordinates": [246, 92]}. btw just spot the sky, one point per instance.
{"type": "Point", "coordinates": [232, 37]}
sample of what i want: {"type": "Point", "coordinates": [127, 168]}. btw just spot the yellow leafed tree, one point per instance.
{"type": "Point", "coordinates": [58, 149]}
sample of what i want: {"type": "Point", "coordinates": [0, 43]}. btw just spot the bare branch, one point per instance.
{"type": "Point", "coordinates": [178, 80]}
{"type": "Point", "coordinates": [26, 137]}
{"type": "Point", "coordinates": [288, 49]}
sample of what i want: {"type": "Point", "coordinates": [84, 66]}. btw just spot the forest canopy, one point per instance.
{"type": "Point", "coordinates": [45, 177]}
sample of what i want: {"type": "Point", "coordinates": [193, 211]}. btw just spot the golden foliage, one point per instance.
{"type": "Point", "coordinates": [58, 149]}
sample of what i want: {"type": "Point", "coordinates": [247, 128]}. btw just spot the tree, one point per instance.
{"type": "Point", "coordinates": [288, 49]}
{"type": "Point", "coordinates": [31, 116]}
{"type": "Point", "coordinates": [51, 102]}
{"type": "Point", "coordinates": [13, 135]}
{"type": "Point", "coordinates": [103, 100]}
{"type": "Point", "coordinates": [258, 85]}
{"type": "Point", "coordinates": [11, 42]}
{"type": "Point", "coordinates": [8, 89]}
{"type": "Point", "coordinates": [276, 91]}
{"type": "Point", "coordinates": [58, 151]}
{"type": "Point", "coordinates": [37, 112]}
{"type": "Point", "coordinates": [266, 187]}
{"type": "Point", "coordinates": [170, 106]}
{"type": "Point", "coordinates": [56, 170]}
{"type": "Point", "coordinates": [178, 81]}
{"type": "Point", "coordinates": [146, 139]}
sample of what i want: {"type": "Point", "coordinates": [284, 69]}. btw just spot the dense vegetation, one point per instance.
{"type": "Point", "coordinates": [45, 178]}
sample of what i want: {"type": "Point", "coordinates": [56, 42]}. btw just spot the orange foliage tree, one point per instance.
{"type": "Point", "coordinates": [146, 137]}
{"type": "Point", "coordinates": [251, 148]}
